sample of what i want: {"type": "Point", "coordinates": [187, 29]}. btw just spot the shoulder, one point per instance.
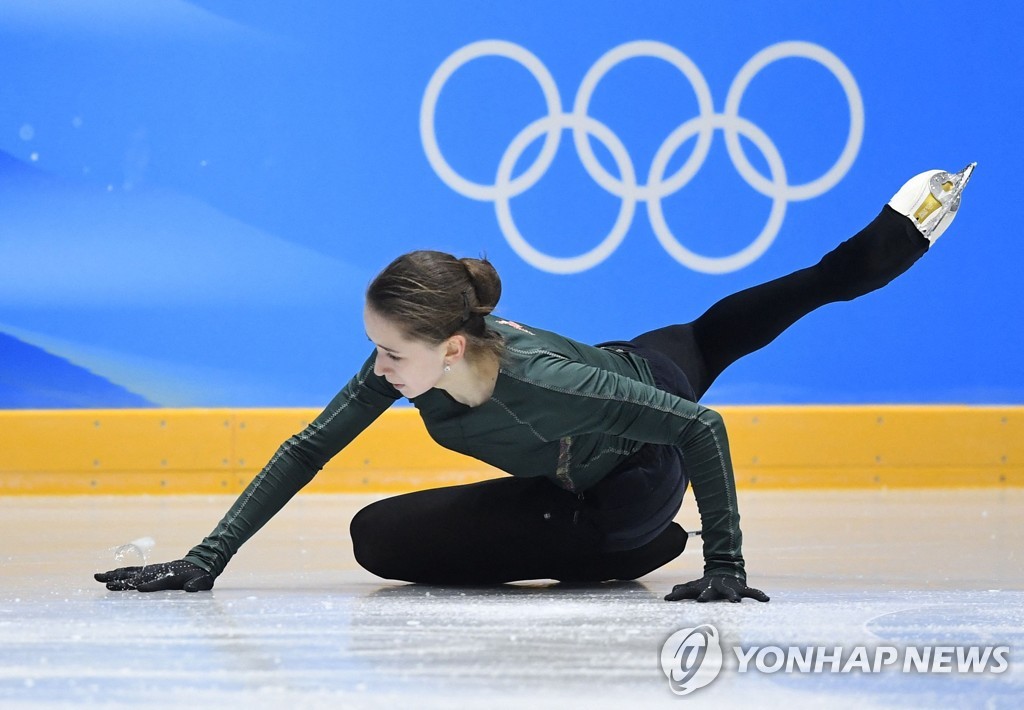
{"type": "Point", "coordinates": [528, 339]}
{"type": "Point", "coordinates": [526, 346]}
{"type": "Point", "coordinates": [504, 325]}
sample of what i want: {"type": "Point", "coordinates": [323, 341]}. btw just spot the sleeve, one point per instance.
{"type": "Point", "coordinates": [576, 398]}
{"type": "Point", "coordinates": [295, 464]}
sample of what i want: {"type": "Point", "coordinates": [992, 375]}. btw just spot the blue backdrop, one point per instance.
{"type": "Point", "coordinates": [193, 195]}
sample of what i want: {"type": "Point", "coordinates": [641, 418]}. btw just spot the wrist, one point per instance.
{"type": "Point", "coordinates": [714, 568]}
{"type": "Point", "coordinates": [200, 563]}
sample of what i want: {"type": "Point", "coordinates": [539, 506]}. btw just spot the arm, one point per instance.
{"type": "Point", "coordinates": [584, 399]}
{"type": "Point", "coordinates": [294, 465]}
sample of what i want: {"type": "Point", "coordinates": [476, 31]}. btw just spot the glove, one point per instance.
{"type": "Point", "coordinates": [715, 587]}
{"type": "Point", "coordinates": [179, 574]}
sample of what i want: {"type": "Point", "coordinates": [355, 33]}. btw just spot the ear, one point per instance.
{"type": "Point", "coordinates": [455, 348]}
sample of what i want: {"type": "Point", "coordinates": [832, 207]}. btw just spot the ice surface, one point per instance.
{"type": "Point", "coordinates": [295, 623]}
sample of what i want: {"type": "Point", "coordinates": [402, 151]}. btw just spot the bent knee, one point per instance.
{"type": "Point", "coordinates": [377, 544]}
{"type": "Point", "coordinates": [369, 544]}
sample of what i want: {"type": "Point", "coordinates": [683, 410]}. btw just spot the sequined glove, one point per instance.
{"type": "Point", "coordinates": [715, 587]}
{"type": "Point", "coordinates": [179, 574]}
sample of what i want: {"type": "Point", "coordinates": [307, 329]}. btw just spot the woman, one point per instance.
{"type": "Point", "coordinates": [601, 441]}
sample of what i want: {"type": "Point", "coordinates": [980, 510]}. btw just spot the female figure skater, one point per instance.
{"type": "Point", "coordinates": [601, 441]}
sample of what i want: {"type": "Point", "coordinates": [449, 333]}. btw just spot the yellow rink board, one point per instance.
{"type": "Point", "coordinates": [48, 452]}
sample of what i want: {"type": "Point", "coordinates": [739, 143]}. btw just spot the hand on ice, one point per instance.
{"type": "Point", "coordinates": [715, 587]}
{"type": "Point", "coordinates": [179, 574]}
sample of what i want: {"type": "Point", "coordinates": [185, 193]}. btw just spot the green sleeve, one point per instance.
{"type": "Point", "coordinates": [575, 398]}
{"type": "Point", "coordinates": [295, 464]}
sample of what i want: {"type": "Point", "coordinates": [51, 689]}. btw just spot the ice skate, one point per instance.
{"type": "Point", "coordinates": [931, 199]}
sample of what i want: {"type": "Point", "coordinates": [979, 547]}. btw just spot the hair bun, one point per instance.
{"type": "Point", "coordinates": [486, 282]}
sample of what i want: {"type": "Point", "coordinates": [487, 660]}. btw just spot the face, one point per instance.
{"type": "Point", "coordinates": [411, 366]}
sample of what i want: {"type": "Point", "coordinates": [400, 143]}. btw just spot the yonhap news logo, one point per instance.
{"type": "Point", "coordinates": [692, 658]}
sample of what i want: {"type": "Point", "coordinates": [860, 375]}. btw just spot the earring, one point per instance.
{"type": "Point", "coordinates": [447, 368]}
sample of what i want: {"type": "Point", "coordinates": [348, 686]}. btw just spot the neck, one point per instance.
{"type": "Point", "coordinates": [472, 383]}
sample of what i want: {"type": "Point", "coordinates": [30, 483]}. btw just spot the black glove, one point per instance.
{"type": "Point", "coordinates": [714, 587]}
{"type": "Point", "coordinates": [179, 574]}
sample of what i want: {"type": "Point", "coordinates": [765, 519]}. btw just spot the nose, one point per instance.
{"type": "Point", "coordinates": [378, 368]}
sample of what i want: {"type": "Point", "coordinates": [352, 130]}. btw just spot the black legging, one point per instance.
{"type": "Point", "coordinates": [512, 529]}
{"type": "Point", "coordinates": [747, 321]}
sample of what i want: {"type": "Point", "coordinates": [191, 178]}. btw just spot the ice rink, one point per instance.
{"type": "Point", "coordinates": [295, 623]}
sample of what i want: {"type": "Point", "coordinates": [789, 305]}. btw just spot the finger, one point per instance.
{"type": "Point", "coordinates": [676, 594]}
{"type": "Point", "coordinates": [681, 591]}
{"type": "Point", "coordinates": [115, 574]}
{"type": "Point", "coordinates": [709, 594]}
{"type": "Point", "coordinates": [755, 594]}
{"type": "Point", "coordinates": [727, 588]}
{"type": "Point", "coordinates": [729, 592]}
{"type": "Point", "coordinates": [121, 585]}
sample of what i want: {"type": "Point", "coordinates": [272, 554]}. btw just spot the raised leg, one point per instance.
{"type": "Point", "coordinates": [747, 321]}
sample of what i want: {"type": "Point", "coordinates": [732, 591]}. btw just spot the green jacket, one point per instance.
{"type": "Point", "coordinates": [560, 409]}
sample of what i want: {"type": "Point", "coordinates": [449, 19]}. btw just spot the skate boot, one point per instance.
{"type": "Point", "coordinates": [932, 199]}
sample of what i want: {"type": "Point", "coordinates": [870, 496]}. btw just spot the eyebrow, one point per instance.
{"type": "Point", "coordinates": [382, 347]}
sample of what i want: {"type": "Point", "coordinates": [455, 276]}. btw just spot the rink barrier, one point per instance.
{"type": "Point", "coordinates": [179, 451]}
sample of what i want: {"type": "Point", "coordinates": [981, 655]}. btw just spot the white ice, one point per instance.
{"type": "Point", "coordinates": [295, 623]}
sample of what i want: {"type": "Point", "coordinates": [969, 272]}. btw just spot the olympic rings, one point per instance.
{"type": "Point", "coordinates": [658, 185]}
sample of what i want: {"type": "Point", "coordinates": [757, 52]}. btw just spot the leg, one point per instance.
{"type": "Point", "coordinates": [747, 321]}
{"type": "Point", "coordinates": [492, 532]}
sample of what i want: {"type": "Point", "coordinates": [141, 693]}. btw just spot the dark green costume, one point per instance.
{"type": "Point", "coordinates": [560, 409]}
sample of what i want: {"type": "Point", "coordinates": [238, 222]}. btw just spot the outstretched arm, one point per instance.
{"type": "Point", "coordinates": [294, 465]}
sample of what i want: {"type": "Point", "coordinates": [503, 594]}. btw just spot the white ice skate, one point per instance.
{"type": "Point", "coordinates": [932, 199]}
